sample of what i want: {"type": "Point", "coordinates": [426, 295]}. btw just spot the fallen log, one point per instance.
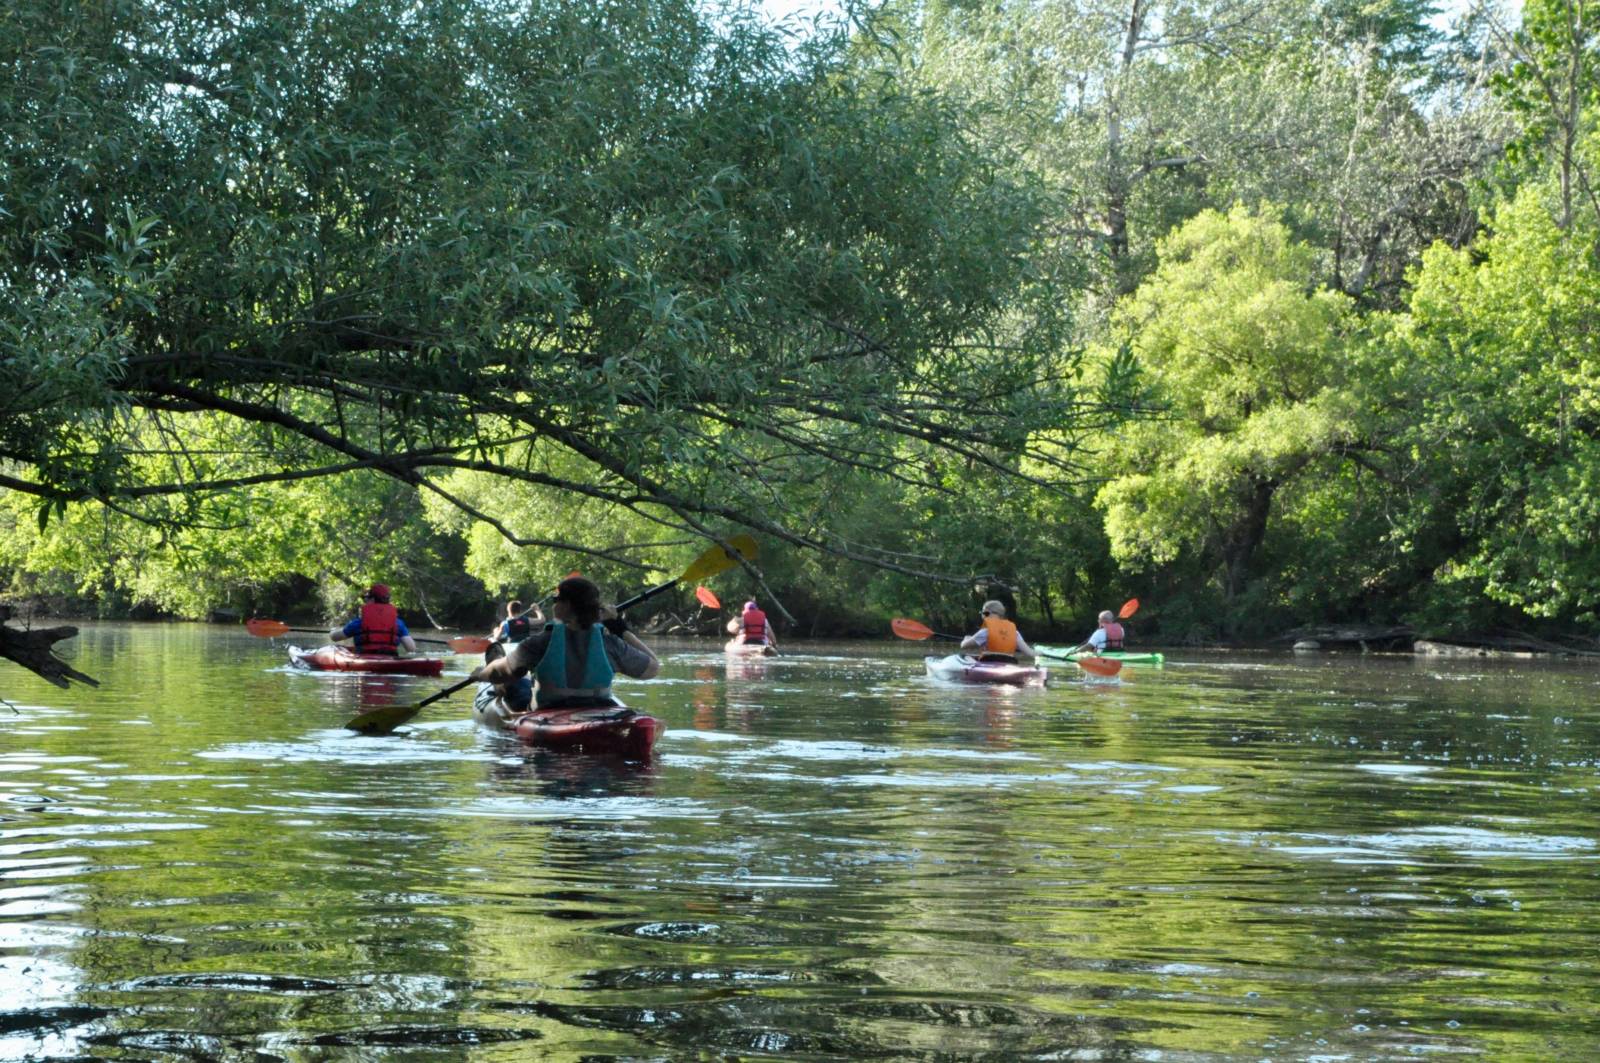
{"type": "Point", "coordinates": [34, 649]}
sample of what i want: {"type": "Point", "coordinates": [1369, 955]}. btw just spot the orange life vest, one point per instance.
{"type": "Point", "coordinates": [379, 633]}
{"type": "Point", "coordinates": [1002, 637]}
{"type": "Point", "coordinates": [755, 625]}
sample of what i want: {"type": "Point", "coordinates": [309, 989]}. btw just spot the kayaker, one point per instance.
{"type": "Point", "coordinates": [574, 657]}
{"type": "Point", "coordinates": [753, 627]}
{"type": "Point", "coordinates": [377, 629]}
{"type": "Point", "coordinates": [998, 639]}
{"type": "Point", "coordinates": [1108, 636]}
{"type": "Point", "coordinates": [519, 622]}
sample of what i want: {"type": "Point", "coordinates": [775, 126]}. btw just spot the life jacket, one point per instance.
{"type": "Point", "coordinates": [755, 625]}
{"type": "Point", "coordinates": [1113, 632]}
{"type": "Point", "coordinates": [515, 629]}
{"type": "Point", "coordinates": [556, 686]}
{"type": "Point", "coordinates": [380, 630]}
{"type": "Point", "coordinates": [1002, 640]}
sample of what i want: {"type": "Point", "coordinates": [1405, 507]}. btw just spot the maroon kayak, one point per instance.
{"type": "Point", "coordinates": [959, 669]}
{"type": "Point", "coordinates": [331, 658]}
{"type": "Point", "coordinates": [611, 729]}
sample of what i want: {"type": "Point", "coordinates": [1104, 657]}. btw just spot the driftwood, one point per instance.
{"type": "Point", "coordinates": [1510, 642]}
{"type": "Point", "coordinates": [35, 650]}
{"type": "Point", "coordinates": [1365, 636]}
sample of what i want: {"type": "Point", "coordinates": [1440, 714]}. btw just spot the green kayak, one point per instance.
{"type": "Point", "coordinates": [1125, 656]}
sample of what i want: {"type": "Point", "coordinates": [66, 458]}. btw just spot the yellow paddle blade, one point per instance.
{"type": "Point", "coordinates": [717, 559]}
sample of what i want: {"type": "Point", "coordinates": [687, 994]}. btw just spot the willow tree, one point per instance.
{"type": "Point", "coordinates": [697, 260]}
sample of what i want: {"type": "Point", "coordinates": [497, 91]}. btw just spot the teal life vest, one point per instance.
{"type": "Point", "coordinates": [551, 671]}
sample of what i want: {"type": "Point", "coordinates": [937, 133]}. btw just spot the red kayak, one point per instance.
{"type": "Point", "coordinates": [614, 729]}
{"type": "Point", "coordinates": [959, 669]}
{"type": "Point", "coordinates": [331, 658]}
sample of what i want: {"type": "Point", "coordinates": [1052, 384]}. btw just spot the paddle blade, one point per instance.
{"type": "Point", "coordinates": [266, 629]}
{"type": "Point", "coordinates": [910, 629]}
{"type": "Point", "coordinates": [382, 721]}
{"type": "Point", "coordinates": [717, 559]}
{"type": "Point", "coordinates": [1129, 607]}
{"type": "Point", "coordinates": [706, 598]}
{"type": "Point", "coordinates": [1098, 666]}
{"type": "Point", "coordinates": [469, 644]}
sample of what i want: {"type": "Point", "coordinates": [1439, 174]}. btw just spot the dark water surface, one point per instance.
{"type": "Point", "coordinates": [831, 858]}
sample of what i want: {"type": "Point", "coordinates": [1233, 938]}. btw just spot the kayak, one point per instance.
{"type": "Point", "coordinates": [960, 669]}
{"type": "Point", "coordinates": [1125, 656]}
{"type": "Point", "coordinates": [739, 648]}
{"type": "Point", "coordinates": [614, 728]}
{"type": "Point", "coordinates": [331, 658]}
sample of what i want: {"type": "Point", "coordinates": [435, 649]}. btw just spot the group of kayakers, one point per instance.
{"type": "Point", "coordinates": [577, 652]}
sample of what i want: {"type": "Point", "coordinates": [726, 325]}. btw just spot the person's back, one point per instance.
{"type": "Point", "coordinates": [377, 630]}
{"type": "Point", "coordinates": [998, 639]}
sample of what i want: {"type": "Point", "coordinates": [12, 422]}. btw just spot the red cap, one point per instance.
{"type": "Point", "coordinates": [380, 591]}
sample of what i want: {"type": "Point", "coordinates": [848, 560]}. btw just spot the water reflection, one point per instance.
{"type": "Point", "coordinates": [830, 856]}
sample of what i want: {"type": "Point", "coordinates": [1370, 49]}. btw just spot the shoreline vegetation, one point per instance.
{"type": "Point", "coordinates": [1278, 316]}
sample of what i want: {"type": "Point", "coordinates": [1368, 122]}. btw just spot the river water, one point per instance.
{"type": "Point", "coordinates": [831, 857]}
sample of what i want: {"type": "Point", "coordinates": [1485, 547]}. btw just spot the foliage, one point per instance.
{"type": "Point", "coordinates": [416, 240]}
{"type": "Point", "coordinates": [1503, 344]}
{"type": "Point", "coordinates": [1243, 353]}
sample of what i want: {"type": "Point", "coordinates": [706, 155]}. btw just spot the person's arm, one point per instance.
{"type": "Point", "coordinates": [1023, 649]}
{"type": "Point", "coordinates": [976, 641]}
{"type": "Point", "coordinates": [652, 668]}
{"type": "Point", "coordinates": [348, 631]}
{"type": "Point", "coordinates": [409, 644]}
{"type": "Point", "coordinates": [734, 625]}
{"type": "Point", "coordinates": [521, 658]}
{"type": "Point", "coordinates": [770, 635]}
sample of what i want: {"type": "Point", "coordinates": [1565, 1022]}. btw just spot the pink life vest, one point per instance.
{"type": "Point", "coordinates": [1113, 632]}
{"type": "Point", "coordinates": [755, 625]}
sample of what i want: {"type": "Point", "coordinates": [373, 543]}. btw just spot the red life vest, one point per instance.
{"type": "Point", "coordinates": [1002, 640]}
{"type": "Point", "coordinates": [379, 632]}
{"type": "Point", "coordinates": [1113, 632]}
{"type": "Point", "coordinates": [755, 625]}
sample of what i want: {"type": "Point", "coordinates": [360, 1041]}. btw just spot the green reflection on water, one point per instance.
{"type": "Point", "coordinates": [833, 857]}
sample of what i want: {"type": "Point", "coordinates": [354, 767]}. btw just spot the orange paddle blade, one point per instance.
{"type": "Point", "coordinates": [910, 629]}
{"type": "Point", "coordinates": [706, 598]}
{"type": "Point", "coordinates": [1098, 666]}
{"type": "Point", "coordinates": [1129, 607]}
{"type": "Point", "coordinates": [470, 644]}
{"type": "Point", "coordinates": [266, 629]}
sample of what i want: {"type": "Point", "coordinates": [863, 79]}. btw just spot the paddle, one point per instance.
{"type": "Point", "coordinates": [911, 629]}
{"type": "Point", "coordinates": [383, 720]}
{"type": "Point", "coordinates": [267, 629]}
{"type": "Point", "coordinates": [706, 598]}
{"type": "Point", "coordinates": [717, 559]}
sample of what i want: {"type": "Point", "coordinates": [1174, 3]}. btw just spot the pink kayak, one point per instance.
{"type": "Point", "coordinates": [959, 669]}
{"type": "Point", "coordinates": [331, 658]}
{"type": "Point", "coordinates": [737, 647]}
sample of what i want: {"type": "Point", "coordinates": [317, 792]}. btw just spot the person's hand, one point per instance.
{"type": "Point", "coordinates": [615, 624]}
{"type": "Point", "coordinates": [477, 673]}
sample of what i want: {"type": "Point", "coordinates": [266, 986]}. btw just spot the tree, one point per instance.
{"type": "Point", "coordinates": [1245, 356]}
{"type": "Point", "coordinates": [1503, 410]}
{"type": "Point", "coordinates": [422, 240]}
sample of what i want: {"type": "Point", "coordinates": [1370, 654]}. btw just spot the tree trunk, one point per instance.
{"type": "Point", "coordinates": [1246, 535]}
